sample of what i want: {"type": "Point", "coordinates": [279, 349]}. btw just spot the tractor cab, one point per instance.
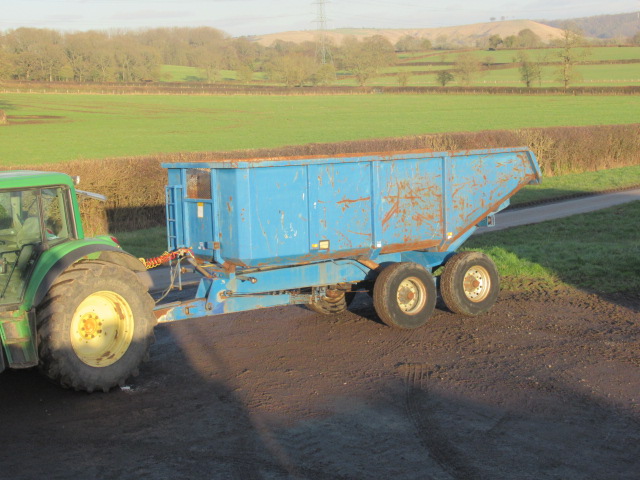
{"type": "Point", "coordinates": [31, 220]}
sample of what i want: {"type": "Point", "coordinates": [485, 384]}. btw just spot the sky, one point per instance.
{"type": "Point", "coordinates": [256, 17]}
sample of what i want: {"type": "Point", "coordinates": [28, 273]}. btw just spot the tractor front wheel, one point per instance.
{"type": "Point", "coordinates": [95, 326]}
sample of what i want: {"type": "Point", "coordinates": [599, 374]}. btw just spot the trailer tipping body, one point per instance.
{"type": "Point", "coordinates": [270, 232]}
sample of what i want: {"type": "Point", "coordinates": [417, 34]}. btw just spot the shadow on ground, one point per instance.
{"type": "Point", "coordinates": [533, 389]}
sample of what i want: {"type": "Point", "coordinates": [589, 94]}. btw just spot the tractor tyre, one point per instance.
{"type": "Point", "coordinates": [404, 295]}
{"type": "Point", "coordinates": [469, 284]}
{"type": "Point", "coordinates": [95, 326]}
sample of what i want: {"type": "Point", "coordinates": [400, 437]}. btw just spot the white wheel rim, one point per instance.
{"type": "Point", "coordinates": [411, 295]}
{"type": "Point", "coordinates": [477, 283]}
{"type": "Point", "coordinates": [102, 329]}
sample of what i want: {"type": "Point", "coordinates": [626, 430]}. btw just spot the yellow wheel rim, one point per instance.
{"type": "Point", "coordinates": [477, 283]}
{"type": "Point", "coordinates": [102, 329]}
{"type": "Point", "coordinates": [411, 295]}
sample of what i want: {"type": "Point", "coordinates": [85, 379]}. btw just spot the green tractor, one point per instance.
{"type": "Point", "coordinates": [76, 307]}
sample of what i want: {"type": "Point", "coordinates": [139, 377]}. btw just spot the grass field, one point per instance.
{"type": "Point", "coordinates": [593, 54]}
{"type": "Point", "coordinates": [598, 251]}
{"type": "Point", "coordinates": [579, 184]}
{"type": "Point", "coordinates": [613, 75]}
{"type": "Point", "coordinates": [591, 75]}
{"type": "Point", "coordinates": [55, 127]}
{"type": "Point", "coordinates": [603, 74]}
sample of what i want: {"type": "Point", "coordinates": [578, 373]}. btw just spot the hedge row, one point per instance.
{"type": "Point", "coordinates": [152, 88]}
{"type": "Point", "coordinates": [135, 185]}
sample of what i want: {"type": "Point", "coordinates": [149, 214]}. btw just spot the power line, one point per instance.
{"type": "Point", "coordinates": [322, 49]}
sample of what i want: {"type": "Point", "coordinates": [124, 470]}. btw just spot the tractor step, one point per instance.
{"type": "Point", "coordinates": [18, 335]}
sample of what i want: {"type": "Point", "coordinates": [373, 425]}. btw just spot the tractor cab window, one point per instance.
{"type": "Point", "coordinates": [54, 215]}
{"type": "Point", "coordinates": [30, 221]}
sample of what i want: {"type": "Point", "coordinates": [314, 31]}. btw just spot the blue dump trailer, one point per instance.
{"type": "Point", "coordinates": [317, 230]}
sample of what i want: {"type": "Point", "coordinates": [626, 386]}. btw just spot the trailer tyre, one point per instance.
{"type": "Point", "coordinates": [470, 283]}
{"type": "Point", "coordinates": [404, 295]}
{"type": "Point", "coordinates": [95, 326]}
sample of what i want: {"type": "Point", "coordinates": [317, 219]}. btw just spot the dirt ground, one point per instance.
{"type": "Point", "coordinates": [544, 386]}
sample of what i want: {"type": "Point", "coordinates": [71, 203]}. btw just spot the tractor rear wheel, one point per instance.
{"type": "Point", "coordinates": [95, 326]}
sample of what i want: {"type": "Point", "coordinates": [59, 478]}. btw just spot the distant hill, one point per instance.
{"type": "Point", "coordinates": [604, 26]}
{"type": "Point", "coordinates": [461, 35]}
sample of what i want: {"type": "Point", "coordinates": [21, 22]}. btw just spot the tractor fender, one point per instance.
{"type": "Point", "coordinates": [106, 253]}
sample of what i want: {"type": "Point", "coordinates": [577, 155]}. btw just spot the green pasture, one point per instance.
{"type": "Point", "coordinates": [180, 74]}
{"type": "Point", "coordinates": [590, 75]}
{"type": "Point", "coordinates": [591, 54]}
{"type": "Point", "coordinates": [564, 186]}
{"type": "Point", "coordinates": [599, 251]}
{"type": "Point", "coordinates": [419, 68]}
{"type": "Point", "coordinates": [56, 127]}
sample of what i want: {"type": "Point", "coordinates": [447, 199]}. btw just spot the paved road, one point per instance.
{"type": "Point", "coordinates": [507, 219]}
{"type": "Point", "coordinates": [565, 208]}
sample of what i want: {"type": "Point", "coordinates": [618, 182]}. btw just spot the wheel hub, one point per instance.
{"type": "Point", "coordinates": [477, 283]}
{"type": "Point", "coordinates": [411, 296]}
{"type": "Point", "coordinates": [90, 326]}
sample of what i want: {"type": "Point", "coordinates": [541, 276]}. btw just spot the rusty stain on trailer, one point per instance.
{"type": "Point", "coordinates": [525, 180]}
{"type": "Point", "coordinates": [346, 203]}
{"type": "Point", "coordinates": [411, 200]}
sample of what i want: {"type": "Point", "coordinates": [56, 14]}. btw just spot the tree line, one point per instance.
{"type": "Point", "coordinates": [132, 56]}
{"type": "Point", "coordinates": [32, 54]}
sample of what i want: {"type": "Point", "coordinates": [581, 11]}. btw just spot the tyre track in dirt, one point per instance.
{"type": "Point", "coordinates": [434, 439]}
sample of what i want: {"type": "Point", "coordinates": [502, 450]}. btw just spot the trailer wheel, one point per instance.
{"type": "Point", "coordinates": [95, 326]}
{"type": "Point", "coordinates": [333, 305]}
{"type": "Point", "coordinates": [404, 295]}
{"type": "Point", "coordinates": [470, 283]}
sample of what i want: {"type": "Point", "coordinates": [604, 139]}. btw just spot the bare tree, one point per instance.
{"type": "Point", "coordinates": [35, 54]}
{"type": "Point", "coordinates": [365, 59]}
{"type": "Point", "coordinates": [403, 78]}
{"type": "Point", "coordinates": [468, 68]}
{"type": "Point", "coordinates": [411, 43]}
{"type": "Point", "coordinates": [80, 49]}
{"type": "Point", "coordinates": [324, 75]}
{"type": "Point", "coordinates": [5, 64]}
{"type": "Point", "coordinates": [572, 51]}
{"type": "Point", "coordinates": [293, 69]}
{"type": "Point", "coordinates": [529, 71]}
{"type": "Point", "coordinates": [244, 74]}
{"type": "Point", "coordinates": [528, 39]}
{"type": "Point", "coordinates": [206, 50]}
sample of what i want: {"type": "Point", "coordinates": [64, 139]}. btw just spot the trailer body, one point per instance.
{"type": "Point", "coordinates": [268, 232]}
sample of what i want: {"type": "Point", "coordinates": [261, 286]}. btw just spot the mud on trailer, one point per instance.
{"type": "Point", "coordinates": [261, 233]}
